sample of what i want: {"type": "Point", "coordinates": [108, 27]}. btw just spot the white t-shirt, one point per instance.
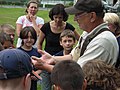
{"type": "Point", "coordinates": [25, 22]}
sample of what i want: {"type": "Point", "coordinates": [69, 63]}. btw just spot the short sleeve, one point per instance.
{"type": "Point", "coordinates": [20, 20]}
{"type": "Point", "coordinates": [40, 20]}
{"type": "Point", "coordinates": [45, 28]}
{"type": "Point", "coordinates": [69, 26]}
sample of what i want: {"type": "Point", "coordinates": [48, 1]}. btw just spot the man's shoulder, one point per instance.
{"type": "Point", "coordinates": [107, 35]}
{"type": "Point", "coordinates": [105, 40]}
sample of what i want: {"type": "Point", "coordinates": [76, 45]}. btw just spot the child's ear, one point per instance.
{"type": "Point", "coordinates": [27, 82]}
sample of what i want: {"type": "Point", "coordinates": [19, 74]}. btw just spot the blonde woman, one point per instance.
{"type": "Point", "coordinates": [113, 21]}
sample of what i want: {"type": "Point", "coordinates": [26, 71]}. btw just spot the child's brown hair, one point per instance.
{"type": "Point", "coordinates": [67, 33]}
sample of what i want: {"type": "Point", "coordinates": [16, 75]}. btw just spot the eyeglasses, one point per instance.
{"type": "Point", "coordinates": [77, 16]}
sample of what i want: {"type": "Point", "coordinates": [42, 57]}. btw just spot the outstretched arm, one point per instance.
{"type": "Point", "coordinates": [41, 64]}
{"type": "Point", "coordinates": [53, 59]}
{"type": "Point", "coordinates": [47, 61]}
{"type": "Point", "coordinates": [18, 29]}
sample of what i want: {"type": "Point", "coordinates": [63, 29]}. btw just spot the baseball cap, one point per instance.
{"type": "Point", "coordinates": [15, 63]}
{"type": "Point", "coordinates": [85, 6]}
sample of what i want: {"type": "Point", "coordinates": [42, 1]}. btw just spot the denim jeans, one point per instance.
{"type": "Point", "coordinates": [46, 81]}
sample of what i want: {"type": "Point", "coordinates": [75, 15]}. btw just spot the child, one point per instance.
{"type": "Point", "coordinates": [101, 76]}
{"type": "Point", "coordinates": [29, 37]}
{"type": "Point", "coordinates": [68, 75]}
{"type": "Point", "coordinates": [5, 40]}
{"type": "Point", "coordinates": [67, 41]}
{"type": "Point", "coordinates": [8, 29]}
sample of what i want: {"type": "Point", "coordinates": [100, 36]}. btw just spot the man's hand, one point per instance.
{"type": "Point", "coordinates": [41, 64]}
{"type": "Point", "coordinates": [37, 62]}
{"type": "Point", "coordinates": [46, 57]}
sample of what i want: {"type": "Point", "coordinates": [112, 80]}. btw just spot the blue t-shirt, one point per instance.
{"type": "Point", "coordinates": [59, 53]}
{"type": "Point", "coordinates": [32, 52]}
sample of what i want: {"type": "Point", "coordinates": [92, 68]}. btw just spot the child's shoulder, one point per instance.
{"type": "Point", "coordinates": [59, 53]}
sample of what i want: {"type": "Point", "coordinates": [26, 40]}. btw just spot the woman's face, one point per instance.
{"type": "Point", "coordinates": [32, 9]}
{"type": "Point", "coordinates": [58, 18]}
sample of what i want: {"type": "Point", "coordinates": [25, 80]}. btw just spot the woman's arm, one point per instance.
{"type": "Point", "coordinates": [18, 29]}
{"type": "Point", "coordinates": [40, 40]}
{"type": "Point", "coordinates": [36, 27]}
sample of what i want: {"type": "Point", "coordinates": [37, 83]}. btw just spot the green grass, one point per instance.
{"type": "Point", "coordinates": [10, 15]}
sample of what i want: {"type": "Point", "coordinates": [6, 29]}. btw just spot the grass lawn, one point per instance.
{"type": "Point", "coordinates": [10, 15]}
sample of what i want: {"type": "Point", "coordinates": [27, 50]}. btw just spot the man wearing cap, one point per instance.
{"type": "Point", "coordinates": [96, 42]}
{"type": "Point", "coordinates": [15, 70]}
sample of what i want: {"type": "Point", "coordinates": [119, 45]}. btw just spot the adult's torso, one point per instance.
{"type": "Point", "coordinates": [52, 44]}
{"type": "Point", "coordinates": [104, 47]}
{"type": "Point", "coordinates": [25, 22]}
